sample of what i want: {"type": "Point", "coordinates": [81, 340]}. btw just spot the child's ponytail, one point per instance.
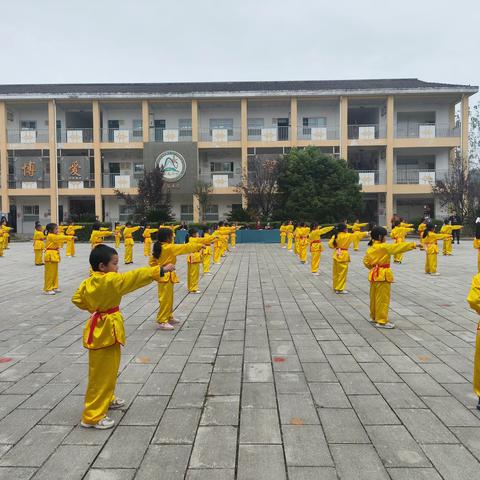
{"type": "Point", "coordinates": [164, 235]}
{"type": "Point", "coordinates": [341, 227]}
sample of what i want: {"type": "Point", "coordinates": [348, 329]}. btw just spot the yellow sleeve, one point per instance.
{"type": "Point", "coordinates": [330, 242]}
{"type": "Point", "coordinates": [359, 235]}
{"type": "Point", "coordinates": [153, 230]}
{"type": "Point", "coordinates": [325, 230]}
{"type": "Point", "coordinates": [445, 229]}
{"type": "Point", "coordinates": [363, 224]}
{"type": "Point", "coordinates": [473, 298]}
{"type": "Point", "coordinates": [134, 279]}
{"type": "Point", "coordinates": [103, 229]}
{"type": "Point", "coordinates": [440, 236]}
{"type": "Point", "coordinates": [457, 227]}
{"type": "Point", "coordinates": [367, 261]}
{"type": "Point", "coordinates": [59, 238]}
{"type": "Point", "coordinates": [186, 248]}
{"type": "Point", "coordinates": [134, 229]}
{"type": "Point", "coordinates": [78, 297]}
{"type": "Point", "coordinates": [175, 227]}
{"type": "Point", "coordinates": [78, 227]}
{"type": "Point", "coordinates": [106, 233]}
{"type": "Point", "coordinates": [476, 244]}
{"type": "Point", "coordinates": [396, 248]}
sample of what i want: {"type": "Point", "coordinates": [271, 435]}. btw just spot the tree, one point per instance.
{"type": "Point", "coordinates": [203, 192]}
{"type": "Point", "coordinates": [152, 203]}
{"type": "Point", "coordinates": [261, 185]}
{"type": "Point", "coordinates": [313, 186]}
{"type": "Point", "coordinates": [474, 135]}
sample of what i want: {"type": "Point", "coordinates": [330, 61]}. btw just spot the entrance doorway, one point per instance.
{"type": "Point", "coordinates": [82, 210]}
{"type": "Point", "coordinates": [283, 124]}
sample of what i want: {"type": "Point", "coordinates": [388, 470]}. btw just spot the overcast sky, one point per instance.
{"type": "Point", "coordinates": [61, 41]}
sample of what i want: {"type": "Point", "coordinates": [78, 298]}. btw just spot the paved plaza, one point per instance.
{"type": "Point", "coordinates": [272, 376]}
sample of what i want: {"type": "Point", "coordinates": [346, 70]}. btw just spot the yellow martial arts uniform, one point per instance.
{"type": "Point", "coordinates": [341, 258]}
{"type": "Point", "coordinates": [289, 230]}
{"type": "Point", "coordinates": [147, 241]}
{"type": "Point", "coordinates": [169, 254]}
{"type": "Point", "coordinates": [53, 244]}
{"type": "Point", "coordinates": [474, 301]}
{"type": "Point", "coordinates": [447, 242]}
{"type": "Point", "coordinates": [101, 294]}
{"type": "Point", "coordinates": [207, 253]}
{"type": "Point", "coordinates": [70, 232]}
{"type": "Point", "coordinates": [476, 244]}
{"type": "Point", "coordinates": [316, 247]}
{"type": "Point", "coordinates": [193, 263]}
{"type": "Point", "coordinates": [233, 236]}
{"type": "Point", "coordinates": [399, 234]}
{"type": "Point", "coordinates": [304, 232]}
{"type": "Point", "coordinates": [377, 260]}
{"type": "Point", "coordinates": [296, 236]}
{"type": "Point", "coordinates": [357, 227]}
{"type": "Point", "coordinates": [129, 243]}
{"type": "Point", "coordinates": [97, 236]}
{"type": "Point", "coordinates": [6, 236]}
{"type": "Point", "coordinates": [283, 235]}
{"type": "Point", "coordinates": [38, 246]}
{"type": "Point", "coordinates": [2, 242]}
{"type": "Point", "coordinates": [420, 230]}
{"type": "Point", "coordinates": [217, 247]}
{"type": "Point", "coordinates": [118, 235]}
{"type": "Point", "coordinates": [431, 249]}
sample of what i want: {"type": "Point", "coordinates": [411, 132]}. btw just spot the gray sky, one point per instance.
{"type": "Point", "coordinates": [59, 41]}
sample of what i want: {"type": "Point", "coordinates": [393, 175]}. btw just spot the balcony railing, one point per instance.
{"type": "Point", "coordinates": [121, 135]}
{"type": "Point", "coordinates": [42, 182]}
{"type": "Point", "coordinates": [219, 135]}
{"type": "Point", "coordinates": [221, 179]}
{"type": "Point", "coordinates": [426, 130]}
{"type": "Point", "coordinates": [74, 135]}
{"type": "Point", "coordinates": [73, 184]}
{"type": "Point", "coordinates": [418, 177]}
{"type": "Point", "coordinates": [170, 134]}
{"type": "Point", "coordinates": [119, 181]}
{"type": "Point", "coordinates": [317, 134]}
{"type": "Point", "coordinates": [27, 136]}
{"type": "Point", "coordinates": [366, 132]}
{"type": "Point", "coordinates": [269, 134]}
{"type": "Point", "coordinates": [372, 177]}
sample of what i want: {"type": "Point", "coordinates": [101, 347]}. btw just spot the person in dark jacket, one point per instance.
{"type": "Point", "coordinates": [455, 220]}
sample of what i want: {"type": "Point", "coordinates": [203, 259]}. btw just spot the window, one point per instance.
{"type": "Point", "coordinates": [221, 166]}
{"type": "Point", "coordinates": [212, 213]}
{"type": "Point", "coordinates": [125, 212]}
{"type": "Point", "coordinates": [186, 213]}
{"type": "Point", "coordinates": [28, 125]}
{"type": "Point", "coordinates": [222, 123]}
{"type": "Point", "coordinates": [255, 126]}
{"type": "Point", "coordinates": [313, 122]}
{"type": "Point", "coordinates": [137, 129]}
{"type": "Point", "coordinates": [31, 213]}
{"type": "Point", "coordinates": [184, 127]}
{"type": "Point", "coordinates": [138, 168]}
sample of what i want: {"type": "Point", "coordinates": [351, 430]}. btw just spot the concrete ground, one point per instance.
{"type": "Point", "coordinates": [272, 376]}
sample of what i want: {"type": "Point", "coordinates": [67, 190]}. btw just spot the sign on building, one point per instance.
{"type": "Point", "coordinates": [220, 181]}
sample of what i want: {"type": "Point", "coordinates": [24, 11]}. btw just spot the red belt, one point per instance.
{"type": "Point", "coordinates": [377, 268]}
{"type": "Point", "coordinates": [55, 249]}
{"type": "Point", "coordinates": [94, 319]}
{"type": "Point", "coordinates": [315, 241]}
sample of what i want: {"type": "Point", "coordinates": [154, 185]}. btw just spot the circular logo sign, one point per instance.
{"type": "Point", "coordinates": [173, 164]}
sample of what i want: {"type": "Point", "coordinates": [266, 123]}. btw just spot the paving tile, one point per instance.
{"type": "Point", "coordinates": [259, 426]}
{"type": "Point", "coordinates": [170, 460]}
{"type": "Point", "coordinates": [215, 447]}
{"type": "Point", "coordinates": [358, 462]}
{"type": "Point", "coordinates": [342, 425]}
{"type": "Point", "coordinates": [305, 445]}
{"type": "Point", "coordinates": [452, 461]}
{"type": "Point", "coordinates": [373, 410]}
{"type": "Point", "coordinates": [297, 409]}
{"type": "Point", "coordinates": [261, 461]}
{"type": "Point", "coordinates": [223, 410]}
{"type": "Point", "coordinates": [178, 426]}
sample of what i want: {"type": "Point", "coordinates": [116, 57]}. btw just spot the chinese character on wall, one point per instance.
{"type": "Point", "coordinates": [29, 169]}
{"type": "Point", "coordinates": [75, 169]}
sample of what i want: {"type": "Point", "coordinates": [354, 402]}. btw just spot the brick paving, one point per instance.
{"type": "Point", "coordinates": [272, 376]}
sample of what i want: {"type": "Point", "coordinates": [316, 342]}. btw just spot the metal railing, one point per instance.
{"type": "Point", "coordinates": [27, 136]}
{"type": "Point", "coordinates": [74, 135]}
{"type": "Point", "coordinates": [42, 182]}
{"type": "Point", "coordinates": [116, 180]}
{"type": "Point", "coordinates": [424, 176]}
{"type": "Point", "coordinates": [268, 134]}
{"type": "Point", "coordinates": [372, 177]}
{"type": "Point", "coordinates": [426, 130]}
{"type": "Point", "coordinates": [233, 180]}
{"type": "Point", "coordinates": [366, 132]}
{"type": "Point", "coordinates": [170, 134]}
{"type": "Point", "coordinates": [318, 133]}
{"type": "Point", "coordinates": [219, 135]}
{"type": "Point", "coordinates": [72, 183]}
{"type": "Point", "coordinates": [121, 135]}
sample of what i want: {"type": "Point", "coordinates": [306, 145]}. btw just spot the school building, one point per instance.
{"type": "Point", "coordinates": [65, 149]}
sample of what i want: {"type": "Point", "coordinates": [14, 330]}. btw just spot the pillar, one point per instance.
{"type": "Point", "coordinates": [389, 158]}
{"type": "Point", "coordinates": [344, 128]}
{"type": "Point", "coordinates": [97, 159]}
{"type": "Point", "coordinates": [4, 159]}
{"type": "Point", "coordinates": [196, 209]}
{"type": "Point", "coordinates": [145, 121]}
{"type": "Point", "coordinates": [52, 146]}
{"type": "Point", "coordinates": [194, 121]}
{"type": "Point", "coordinates": [464, 133]}
{"type": "Point", "coordinates": [293, 121]}
{"type": "Point", "coordinates": [244, 152]}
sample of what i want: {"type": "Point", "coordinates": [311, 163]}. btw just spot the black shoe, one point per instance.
{"type": "Point", "coordinates": [478, 404]}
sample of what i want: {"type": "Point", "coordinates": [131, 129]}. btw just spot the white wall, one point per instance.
{"type": "Point", "coordinates": [229, 110]}
{"type": "Point", "coordinates": [441, 156]}
{"type": "Point", "coordinates": [268, 111]}
{"type": "Point", "coordinates": [35, 112]}
{"type": "Point", "coordinates": [171, 114]}
{"type": "Point", "coordinates": [44, 210]}
{"type": "Point", "coordinates": [126, 114]}
{"type": "Point", "coordinates": [440, 107]}
{"type": "Point", "coordinates": [317, 108]}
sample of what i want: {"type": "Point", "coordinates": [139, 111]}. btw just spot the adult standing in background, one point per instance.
{"type": "Point", "coordinates": [455, 220]}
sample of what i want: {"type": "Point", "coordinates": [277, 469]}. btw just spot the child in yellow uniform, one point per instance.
{"type": "Point", "coordinates": [2, 242]}
{"type": "Point", "coordinates": [476, 244]}
{"type": "Point", "coordinates": [38, 243]}
{"type": "Point", "coordinates": [166, 252]}
{"type": "Point", "coordinates": [296, 237]}
{"type": "Point", "coordinates": [399, 234]}
{"type": "Point", "coordinates": [194, 260]}
{"type": "Point", "coordinates": [101, 294]}
{"type": "Point", "coordinates": [283, 234]}
{"type": "Point", "coordinates": [129, 242]}
{"type": "Point", "coordinates": [98, 234]}
{"type": "Point", "coordinates": [421, 228]}
{"type": "Point", "coordinates": [207, 251]}
{"type": "Point", "coordinates": [377, 260]}
{"type": "Point", "coordinates": [233, 235]}
{"type": "Point", "coordinates": [118, 233]}
{"type": "Point", "coordinates": [147, 240]}
{"type": "Point", "coordinates": [316, 247]}
{"type": "Point", "coordinates": [430, 239]}
{"type": "Point", "coordinates": [6, 233]}
{"type": "Point", "coordinates": [448, 229]}
{"type": "Point", "coordinates": [70, 232]}
{"type": "Point", "coordinates": [473, 300]}
{"type": "Point", "coordinates": [357, 227]}
{"type": "Point", "coordinates": [217, 246]}
{"type": "Point", "coordinates": [289, 229]}
{"type": "Point", "coordinates": [303, 234]}
{"type": "Point", "coordinates": [53, 243]}
{"type": "Point", "coordinates": [340, 242]}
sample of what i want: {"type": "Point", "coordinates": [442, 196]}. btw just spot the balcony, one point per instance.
{"type": "Point", "coordinates": [318, 134]}
{"type": "Point", "coordinates": [418, 177]}
{"type": "Point", "coordinates": [269, 134]}
{"type": "Point", "coordinates": [75, 135]}
{"type": "Point", "coordinates": [40, 182]}
{"type": "Point", "coordinates": [119, 181]}
{"type": "Point", "coordinates": [221, 179]}
{"type": "Point", "coordinates": [371, 177]}
{"type": "Point", "coordinates": [121, 135]}
{"type": "Point", "coordinates": [426, 130]}
{"type": "Point", "coordinates": [170, 134]}
{"type": "Point", "coordinates": [27, 136]}
{"type": "Point", "coordinates": [74, 184]}
{"type": "Point", "coordinates": [219, 135]}
{"type": "Point", "coordinates": [366, 132]}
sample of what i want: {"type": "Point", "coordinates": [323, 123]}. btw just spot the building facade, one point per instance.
{"type": "Point", "coordinates": [65, 149]}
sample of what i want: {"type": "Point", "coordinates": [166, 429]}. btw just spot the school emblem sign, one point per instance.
{"type": "Point", "coordinates": [173, 164]}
